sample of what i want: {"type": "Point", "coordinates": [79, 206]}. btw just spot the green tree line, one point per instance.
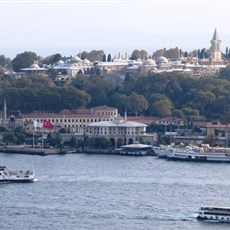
{"type": "Point", "coordinates": [160, 94]}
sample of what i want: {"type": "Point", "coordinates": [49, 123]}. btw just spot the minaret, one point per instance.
{"type": "Point", "coordinates": [125, 116]}
{"type": "Point", "coordinates": [4, 110]}
{"type": "Point", "coordinates": [215, 52]}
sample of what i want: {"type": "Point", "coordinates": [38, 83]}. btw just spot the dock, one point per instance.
{"type": "Point", "coordinates": [30, 150]}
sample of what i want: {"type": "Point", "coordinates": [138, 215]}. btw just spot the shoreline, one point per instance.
{"type": "Point", "coordinates": [29, 150]}
{"type": "Point", "coordinates": [55, 151]}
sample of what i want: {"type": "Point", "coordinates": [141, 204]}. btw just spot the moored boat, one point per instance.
{"type": "Point", "coordinates": [135, 149]}
{"type": "Point", "coordinates": [214, 213]}
{"type": "Point", "coordinates": [199, 154]}
{"type": "Point", "coordinates": [7, 175]}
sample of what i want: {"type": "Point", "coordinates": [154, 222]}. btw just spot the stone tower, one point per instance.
{"type": "Point", "coordinates": [4, 110]}
{"type": "Point", "coordinates": [215, 52]}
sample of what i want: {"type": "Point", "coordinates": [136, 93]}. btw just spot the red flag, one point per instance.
{"type": "Point", "coordinates": [47, 124]}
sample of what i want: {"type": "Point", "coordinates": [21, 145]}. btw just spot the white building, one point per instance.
{"type": "Point", "coordinates": [120, 130]}
{"type": "Point", "coordinates": [34, 69]}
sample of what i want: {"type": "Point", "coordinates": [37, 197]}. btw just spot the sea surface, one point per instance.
{"type": "Point", "coordinates": [83, 191]}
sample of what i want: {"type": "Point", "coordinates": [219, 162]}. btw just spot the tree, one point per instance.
{"type": "Point", "coordinates": [226, 53]}
{"type": "Point", "coordinates": [104, 58]}
{"type": "Point", "coordinates": [225, 73]}
{"type": "Point", "coordinates": [50, 60]}
{"type": "Point", "coordinates": [9, 137]}
{"type": "Point", "coordinates": [203, 99]}
{"type": "Point", "coordinates": [73, 142]}
{"type": "Point", "coordinates": [109, 59]}
{"type": "Point", "coordinates": [159, 53]}
{"type": "Point", "coordinates": [24, 60]}
{"type": "Point", "coordinates": [190, 114]}
{"type": "Point", "coordinates": [5, 62]}
{"type": "Point", "coordinates": [172, 53]}
{"type": "Point", "coordinates": [94, 55]}
{"type": "Point", "coordinates": [139, 54]}
{"type": "Point", "coordinates": [54, 139]}
{"type": "Point", "coordinates": [56, 58]}
{"type": "Point", "coordinates": [164, 107]}
{"type": "Point", "coordinates": [225, 118]}
{"type": "Point", "coordinates": [136, 104]}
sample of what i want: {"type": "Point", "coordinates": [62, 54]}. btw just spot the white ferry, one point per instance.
{"type": "Point", "coordinates": [195, 154]}
{"type": "Point", "coordinates": [16, 176]}
{"type": "Point", "coordinates": [214, 213]}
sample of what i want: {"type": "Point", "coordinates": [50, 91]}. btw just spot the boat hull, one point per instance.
{"type": "Point", "coordinates": [198, 157]}
{"type": "Point", "coordinates": [16, 181]}
{"type": "Point", "coordinates": [214, 214]}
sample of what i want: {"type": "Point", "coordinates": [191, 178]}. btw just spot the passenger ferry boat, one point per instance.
{"type": "Point", "coordinates": [200, 154]}
{"type": "Point", "coordinates": [214, 213]}
{"type": "Point", "coordinates": [16, 176]}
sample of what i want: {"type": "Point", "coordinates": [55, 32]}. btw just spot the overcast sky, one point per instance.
{"type": "Point", "coordinates": [68, 27]}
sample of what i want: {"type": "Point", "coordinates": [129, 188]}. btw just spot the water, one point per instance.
{"type": "Point", "coordinates": [81, 191]}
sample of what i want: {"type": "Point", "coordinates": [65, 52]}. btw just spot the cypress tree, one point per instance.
{"type": "Point", "coordinates": [109, 58]}
{"type": "Point", "coordinates": [104, 58]}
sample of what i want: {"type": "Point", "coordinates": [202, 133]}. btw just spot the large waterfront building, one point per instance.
{"type": "Point", "coordinates": [72, 121]}
{"type": "Point", "coordinates": [121, 131]}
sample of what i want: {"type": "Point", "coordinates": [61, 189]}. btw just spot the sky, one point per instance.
{"type": "Point", "coordinates": [72, 26]}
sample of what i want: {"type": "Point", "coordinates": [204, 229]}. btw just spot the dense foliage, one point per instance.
{"type": "Point", "coordinates": [165, 94]}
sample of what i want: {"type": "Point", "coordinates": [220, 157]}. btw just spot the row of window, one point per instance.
{"type": "Point", "coordinates": [105, 113]}
{"type": "Point", "coordinates": [71, 120]}
{"type": "Point", "coordinates": [112, 133]}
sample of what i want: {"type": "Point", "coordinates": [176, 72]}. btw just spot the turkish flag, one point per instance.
{"type": "Point", "coordinates": [47, 124]}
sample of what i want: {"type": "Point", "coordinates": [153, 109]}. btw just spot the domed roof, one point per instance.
{"type": "Point", "coordinates": [76, 58]}
{"type": "Point", "coordinates": [161, 60]}
{"type": "Point", "coordinates": [60, 62]}
{"type": "Point", "coordinates": [86, 61]}
{"type": "Point", "coordinates": [149, 62]}
{"type": "Point", "coordinates": [34, 66]}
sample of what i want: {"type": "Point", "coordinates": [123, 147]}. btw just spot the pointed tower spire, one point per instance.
{"type": "Point", "coordinates": [215, 35]}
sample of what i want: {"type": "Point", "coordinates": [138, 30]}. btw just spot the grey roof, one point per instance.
{"type": "Point", "coordinates": [117, 124]}
{"type": "Point", "coordinates": [136, 146]}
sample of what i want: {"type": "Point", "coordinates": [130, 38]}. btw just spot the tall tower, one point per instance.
{"type": "Point", "coordinates": [4, 110]}
{"type": "Point", "coordinates": [215, 52]}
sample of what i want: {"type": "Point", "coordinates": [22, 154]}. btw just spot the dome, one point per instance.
{"type": "Point", "coordinates": [34, 66]}
{"type": "Point", "coordinates": [149, 62]}
{"type": "Point", "coordinates": [162, 60]}
{"type": "Point", "coordinates": [60, 62]}
{"type": "Point", "coordinates": [76, 59]}
{"type": "Point", "coordinates": [86, 61]}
